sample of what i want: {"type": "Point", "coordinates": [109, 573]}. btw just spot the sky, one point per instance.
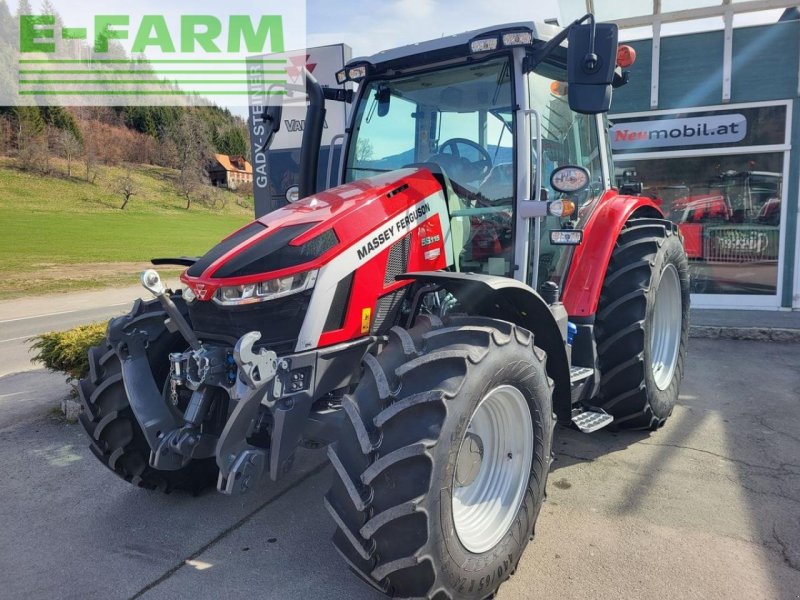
{"type": "Point", "coordinates": [369, 26]}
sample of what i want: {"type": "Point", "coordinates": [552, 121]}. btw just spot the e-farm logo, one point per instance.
{"type": "Point", "coordinates": [198, 33]}
{"type": "Point", "coordinates": [128, 57]}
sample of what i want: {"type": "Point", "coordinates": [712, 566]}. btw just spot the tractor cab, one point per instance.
{"type": "Point", "coordinates": [490, 114]}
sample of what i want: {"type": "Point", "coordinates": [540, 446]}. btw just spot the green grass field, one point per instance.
{"type": "Point", "coordinates": [58, 233]}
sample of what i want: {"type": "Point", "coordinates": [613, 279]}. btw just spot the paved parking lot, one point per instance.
{"type": "Point", "coordinates": [708, 507]}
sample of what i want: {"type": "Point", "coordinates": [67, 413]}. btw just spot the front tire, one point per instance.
{"type": "Point", "coordinates": [117, 439]}
{"type": "Point", "coordinates": [642, 325]}
{"type": "Point", "coordinates": [412, 503]}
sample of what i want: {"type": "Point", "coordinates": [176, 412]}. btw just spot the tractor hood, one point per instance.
{"type": "Point", "coordinates": [308, 233]}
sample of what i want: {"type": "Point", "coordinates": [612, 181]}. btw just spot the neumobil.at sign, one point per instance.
{"type": "Point", "coordinates": [690, 131]}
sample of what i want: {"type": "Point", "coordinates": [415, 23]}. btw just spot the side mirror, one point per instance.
{"type": "Point", "coordinates": [631, 188]}
{"type": "Point", "coordinates": [272, 119]}
{"type": "Point", "coordinates": [592, 58]}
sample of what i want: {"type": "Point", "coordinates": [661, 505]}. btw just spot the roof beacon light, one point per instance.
{"type": "Point", "coordinates": [518, 38]}
{"type": "Point", "coordinates": [559, 88]}
{"type": "Point", "coordinates": [483, 45]}
{"type": "Point", "coordinates": [626, 56]}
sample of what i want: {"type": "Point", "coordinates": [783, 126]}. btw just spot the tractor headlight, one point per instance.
{"type": "Point", "coordinates": [237, 295]}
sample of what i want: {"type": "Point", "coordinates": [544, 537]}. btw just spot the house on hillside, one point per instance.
{"type": "Point", "coordinates": [229, 171]}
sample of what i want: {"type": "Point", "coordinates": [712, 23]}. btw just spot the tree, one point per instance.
{"type": "Point", "coordinates": [364, 150]}
{"type": "Point", "coordinates": [70, 147]}
{"type": "Point", "coordinates": [60, 118]}
{"type": "Point", "coordinates": [90, 156]}
{"type": "Point", "coordinates": [6, 134]}
{"type": "Point", "coordinates": [31, 138]}
{"type": "Point", "coordinates": [213, 197]}
{"type": "Point", "coordinates": [192, 141]}
{"type": "Point", "coordinates": [24, 8]}
{"type": "Point", "coordinates": [127, 187]}
{"type": "Point", "coordinates": [29, 120]}
{"type": "Point", "coordinates": [232, 141]}
{"type": "Point", "coordinates": [190, 183]}
{"type": "Point", "coordinates": [7, 23]}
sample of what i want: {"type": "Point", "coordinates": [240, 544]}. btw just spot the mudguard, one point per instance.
{"type": "Point", "coordinates": [513, 301]}
{"type": "Point", "coordinates": [581, 293]}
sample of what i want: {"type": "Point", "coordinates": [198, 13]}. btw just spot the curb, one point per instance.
{"type": "Point", "coordinates": [761, 334]}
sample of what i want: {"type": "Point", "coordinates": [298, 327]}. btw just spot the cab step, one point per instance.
{"type": "Point", "coordinates": [580, 379]}
{"type": "Point", "coordinates": [579, 374]}
{"type": "Point", "coordinates": [589, 421]}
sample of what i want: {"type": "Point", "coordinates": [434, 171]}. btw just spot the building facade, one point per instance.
{"type": "Point", "coordinates": [716, 141]}
{"type": "Point", "coordinates": [229, 171]}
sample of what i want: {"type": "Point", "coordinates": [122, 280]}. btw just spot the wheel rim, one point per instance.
{"type": "Point", "coordinates": [665, 339]}
{"type": "Point", "coordinates": [492, 469]}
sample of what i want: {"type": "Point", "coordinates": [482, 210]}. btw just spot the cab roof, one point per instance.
{"type": "Point", "coordinates": [448, 47]}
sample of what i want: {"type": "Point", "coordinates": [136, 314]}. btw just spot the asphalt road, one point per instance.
{"type": "Point", "coordinates": [24, 318]}
{"type": "Point", "coordinates": [708, 507]}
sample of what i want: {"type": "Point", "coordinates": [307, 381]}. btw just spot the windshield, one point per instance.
{"type": "Point", "coordinates": [458, 121]}
{"type": "Point", "coordinates": [458, 118]}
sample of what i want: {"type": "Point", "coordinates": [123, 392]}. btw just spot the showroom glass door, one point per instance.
{"type": "Point", "coordinates": [719, 174]}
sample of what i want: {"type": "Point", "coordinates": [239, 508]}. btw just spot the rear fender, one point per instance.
{"type": "Point", "coordinates": [589, 262]}
{"type": "Point", "coordinates": [510, 300]}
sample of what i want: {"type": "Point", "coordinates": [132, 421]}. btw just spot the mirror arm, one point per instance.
{"type": "Point", "coordinates": [338, 95]}
{"type": "Point", "coordinates": [590, 60]}
{"type": "Point", "coordinates": [556, 41]}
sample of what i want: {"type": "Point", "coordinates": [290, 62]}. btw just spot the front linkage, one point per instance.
{"type": "Point", "coordinates": [268, 394]}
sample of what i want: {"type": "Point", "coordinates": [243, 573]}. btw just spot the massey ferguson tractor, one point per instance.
{"type": "Point", "coordinates": [474, 279]}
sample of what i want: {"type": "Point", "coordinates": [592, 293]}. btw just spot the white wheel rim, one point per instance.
{"type": "Point", "coordinates": [485, 506]}
{"type": "Point", "coordinates": [665, 338]}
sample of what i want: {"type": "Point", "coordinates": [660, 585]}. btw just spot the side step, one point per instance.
{"type": "Point", "coordinates": [580, 379]}
{"type": "Point", "coordinates": [589, 421]}
{"type": "Point", "coordinates": [579, 374]}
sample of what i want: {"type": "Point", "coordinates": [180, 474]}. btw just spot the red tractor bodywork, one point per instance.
{"type": "Point", "coordinates": [589, 262]}
{"type": "Point", "coordinates": [368, 218]}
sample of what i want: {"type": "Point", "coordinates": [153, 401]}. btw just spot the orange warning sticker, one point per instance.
{"type": "Point", "coordinates": [366, 319]}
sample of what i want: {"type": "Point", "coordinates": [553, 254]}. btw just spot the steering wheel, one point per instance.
{"type": "Point", "coordinates": [476, 169]}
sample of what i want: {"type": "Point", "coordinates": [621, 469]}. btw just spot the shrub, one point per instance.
{"type": "Point", "coordinates": [66, 351]}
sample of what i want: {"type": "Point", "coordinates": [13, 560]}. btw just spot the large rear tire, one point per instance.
{"type": "Point", "coordinates": [642, 325]}
{"type": "Point", "coordinates": [441, 466]}
{"type": "Point", "coordinates": [117, 439]}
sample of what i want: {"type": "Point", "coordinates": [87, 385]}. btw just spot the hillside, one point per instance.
{"type": "Point", "coordinates": [62, 234]}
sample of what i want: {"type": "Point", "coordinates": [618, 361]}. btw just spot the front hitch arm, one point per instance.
{"type": "Point", "coordinates": [242, 464]}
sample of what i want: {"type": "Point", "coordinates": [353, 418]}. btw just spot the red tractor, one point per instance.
{"type": "Point", "coordinates": [396, 320]}
{"type": "Point", "coordinates": [731, 231]}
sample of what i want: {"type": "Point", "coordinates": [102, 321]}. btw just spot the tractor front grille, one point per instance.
{"type": "Point", "coordinates": [278, 321]}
